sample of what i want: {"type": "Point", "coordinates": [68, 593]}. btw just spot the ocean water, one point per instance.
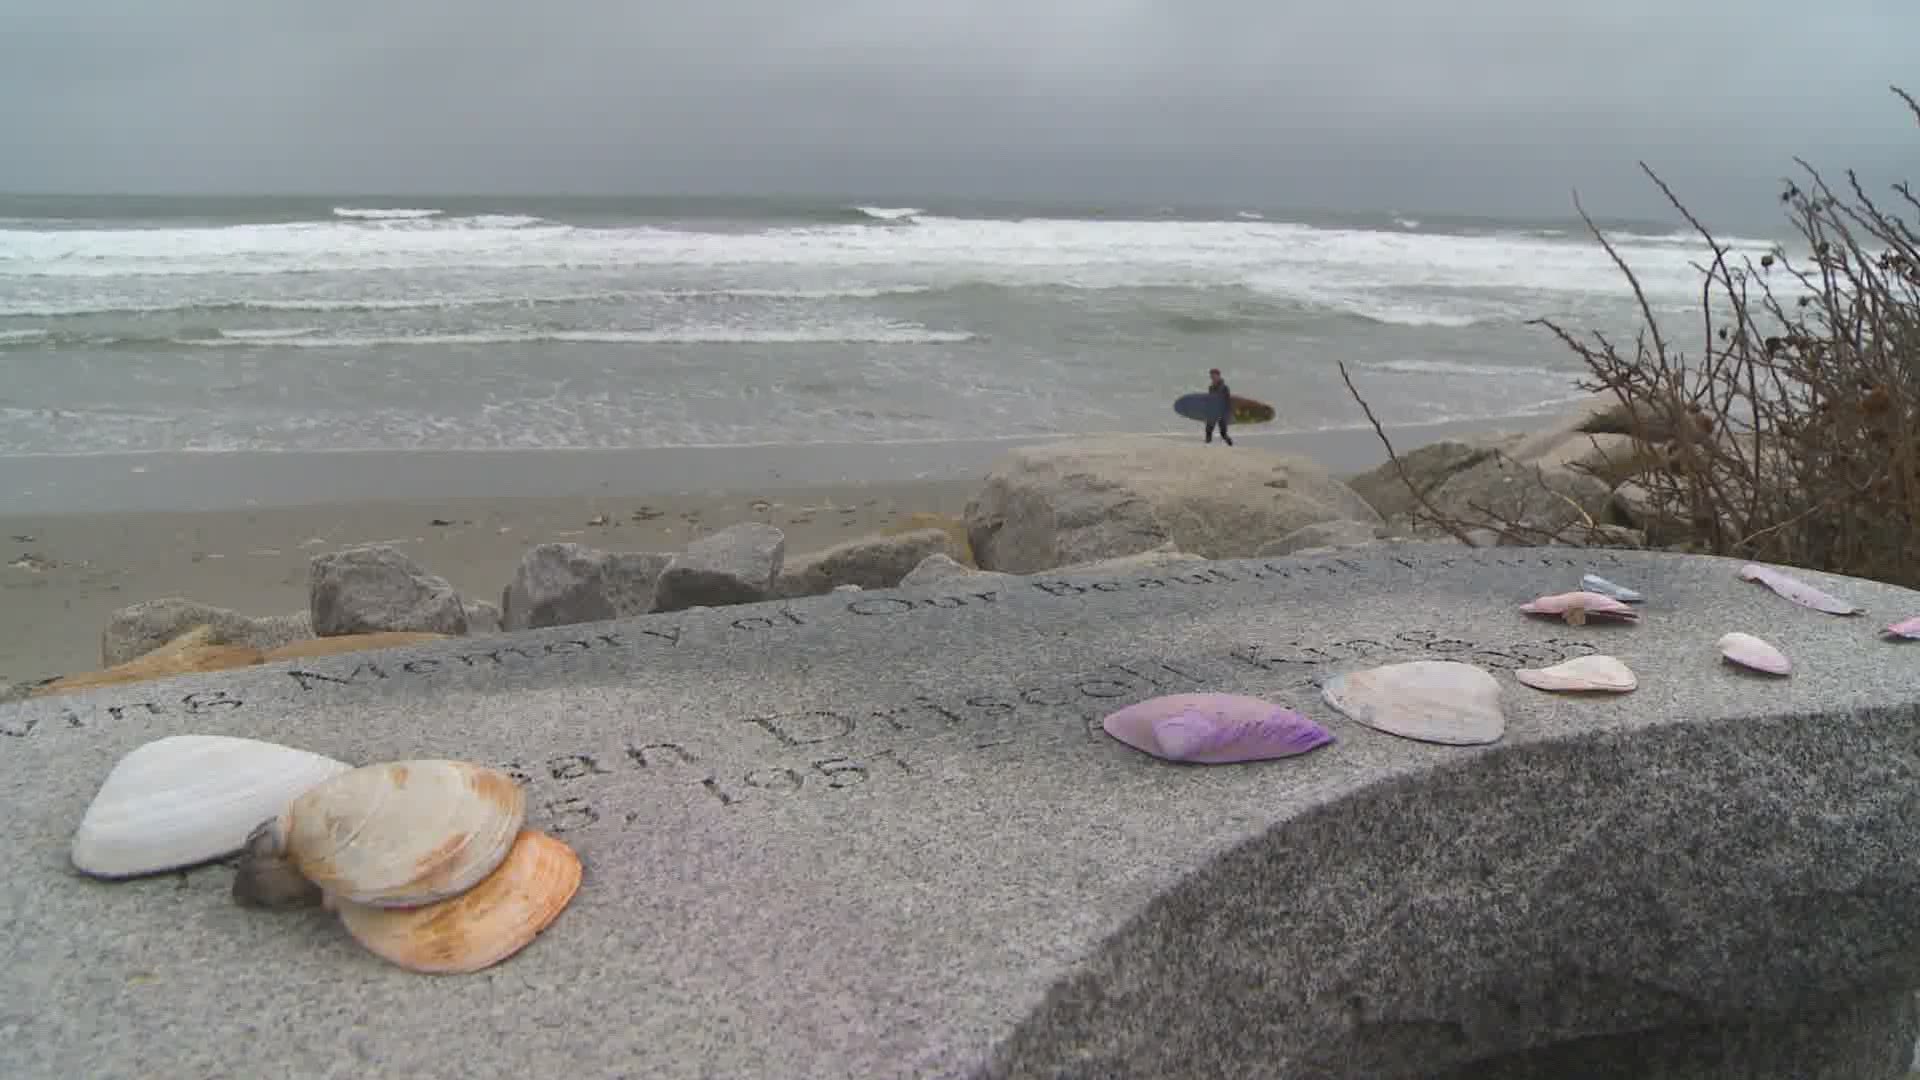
{"type": "Point", "coordinates": [313, 324]}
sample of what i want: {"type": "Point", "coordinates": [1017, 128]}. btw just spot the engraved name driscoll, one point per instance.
{"type": "Point", "coordinates": [372, 673]}
{"type": "Point", "coordinates": [824, 750]}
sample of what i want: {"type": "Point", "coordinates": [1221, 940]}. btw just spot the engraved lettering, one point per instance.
{"type": "Point", "coordinates": [1057, 588]}
{"type": "Point", "coordinates": [421, 667]}
{"type": "Point", "coordinates": [671, 636]}
{"type": "Point", "coordinates": [17, 729]}
{"type": "Point", "coordinates": [520, 775]}
{"type": "Point", "coordinates": [926, 702]}
{"type": "Point", "coordinates": [1103, 688]}
{"type": "Point", "coordinates": [893, 755]}
{"type": "Point", "coordinates": [984, 597]}
{"type": "Point", "coordinates": [891, 717]}
{"type": "Point", "coordinates": [712, 787]}
{"type": "Point", "coordinates": [990, 704]}
{"type": "Point", "coordinates": [880, 605]}
{"type": "Point", "coordinates": [639, 753]}
{"type": "Point", "coordinates": [778, 780]}
{"type": "Point", "coordinates": [800, 729]}
{"type": "Point", "coordinates": [1031, 697]}
{"type": "Point", "coordinates": [471, 659]}
{"type": "Point", "coordinates": [569, 814]}
{"type": "Point", "coordinates": [840, 772]}
{"type": "Point", "coordinates": [307, 679]}
{"type": "Point", "coordinates": [555, 648]}
{"type": "Point", "coordinates": [118, 712]}
{"type": "Point", "coordinates": [573, 767]}
{"type": "Point", "coordinates": [209, 700]}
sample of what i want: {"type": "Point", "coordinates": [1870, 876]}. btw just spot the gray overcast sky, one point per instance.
{"type": "Point", "coordinates": [1470, 105]}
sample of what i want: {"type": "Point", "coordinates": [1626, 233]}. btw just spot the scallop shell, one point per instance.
{"type": "Point", "coordinates": [1596, 583]}
{"type": "Point", "coordinates": [1798, 591]}
{"type": "Point", "coordinates": [1749, 651]}
{"type": "Point", "coordinates": [1578, 607]}
{"type": "Point", "coordinates": [1439, 701]}
{"type": "Point", "coordinates": [188, 799]}
{"type": "Point", "coordinates": [396, 834]}
{"type": "Point", "coordinates": [1582, 673]}
{"type": "Point", "coordinates": [1214, 729]}
{"type": "Point", "coordinates": [1905, 628]}
{"type": "Point", "coordinates": [482, 926]}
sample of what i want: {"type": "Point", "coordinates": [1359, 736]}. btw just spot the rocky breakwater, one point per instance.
{"type": "Point", "coordinates": [1102, 505]}
{"type": "Point", "coordinates": [1575, 480]}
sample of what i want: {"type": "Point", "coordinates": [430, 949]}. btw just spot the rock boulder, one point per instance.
{"type": "Point", "coordinates": [365, 590]}
{"type": "Point", "coordinates": [141, 628]}
{"type": "Point", "coordinates": [871, 562]}
{"type": "Point", "coordinates": [1084, 500]}
{"type": "Point", "coordinates": [562, 584]}
{"type": "Point", "coordinates": [737, 565]}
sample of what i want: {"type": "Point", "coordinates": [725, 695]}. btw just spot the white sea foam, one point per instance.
{"type": "Point", "coordinates": [890, 213]}
{"type": "Point", "coordinates": [1272, 256]}
{"type": "Point", "coordinates": [276, 333]}
{"type": "Point", "coordinates": [112, 305]}
{"type": "Point", "coordinates": [901, 334]}
{"type": "Point", "coordinates": [377, 214]}
{"type": "Point", "coordinates": [14, 337]}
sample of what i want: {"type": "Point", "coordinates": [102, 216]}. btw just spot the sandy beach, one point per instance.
{"type": "Point", "coordinates": [86, 535]}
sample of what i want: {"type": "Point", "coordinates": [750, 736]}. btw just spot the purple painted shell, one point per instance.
{"type": "Point", "coordinates": [1905, 628]}
{"type": "Point", "coordinates": [1578, 607]}
{"type": "Point", "coordinates": [1798, 591]}
{"type": "Point", "coordinates": [1214, 729]}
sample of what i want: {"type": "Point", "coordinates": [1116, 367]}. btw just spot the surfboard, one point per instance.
{"type": "Point", "coordinates": [1201, 407]}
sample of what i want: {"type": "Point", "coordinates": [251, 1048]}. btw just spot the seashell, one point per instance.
{"type": "Point", "coordinates": [1596, 583]}
{"type": "Point", "coordinates": [189, 799]}
{"type": "Point", "coordinates": [1749, 651]}
{"type": "Point", "coordinates": [1582, 673]}
{"type": "Point", "coordinates": [396, 834]}
{"type": "Point", "coordinates": [1905, 628]}
{"type": "Point", "coordinates": [1577, 607]}
{"type": "Point", "coordinates": [1798, 591]}
{"type": "Point", "coordinates": [1214, 729]}
{"type": "Point", "coordinates": [1439, 701]}
{"type": "Point", "coordinates": [483, 925]}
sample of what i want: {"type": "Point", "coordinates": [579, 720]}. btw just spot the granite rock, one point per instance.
{"type": "Point", "coordinates": [1427, 467]}
{"type": "Point", "coordinates": [140, 628]}
{"type": "Point", "coordinates": [562, 584]}
{"type": "Point", "coordinates": [482, 617]}
{"type": "Point", "coordinates": [376, 587]}
{"type": "Point", "coordinates": [1867, 1039]}
{"type": "Point", "coordinates": [871, 562]}
{"type": "Point", "coordinates": [897, 809]}
{"type": "Point", "coordinates": [736, 565]}
{"type": "Point", "coordinates": [937, 568]}
{"type": "Point", "coordinates": [1322, 534]}
{"type": "Point", "coordinates": [1082, 500]}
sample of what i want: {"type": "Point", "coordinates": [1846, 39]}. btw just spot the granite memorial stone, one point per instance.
{"type": "Point", "coordinates": [883, 834]}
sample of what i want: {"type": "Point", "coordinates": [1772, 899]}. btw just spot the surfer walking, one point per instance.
{"type": "Point", "coordinates": [1222, 405]}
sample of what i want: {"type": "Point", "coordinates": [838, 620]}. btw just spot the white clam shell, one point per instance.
{"type": "Point", "coordinates": [1439, 701]}
{"type": "Point", "coordinates": [1582, 673]}
{"type": "Point", "coordinates": [1751, 652]}
{"type": "Point", "coordinates": [188, 799]}
{"type": "Point", "coordinates": [403, 833]}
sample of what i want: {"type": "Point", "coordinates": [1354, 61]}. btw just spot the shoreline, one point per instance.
{"type": "Point", "coordinates": [237, 531]}
{"type": "Point", "coordinates": [208, 481]}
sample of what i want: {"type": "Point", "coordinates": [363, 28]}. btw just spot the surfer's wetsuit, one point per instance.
{"type": "Point", "coordinates": [1222, 411]}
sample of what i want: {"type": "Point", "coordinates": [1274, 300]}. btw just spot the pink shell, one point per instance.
{"type": "Point", "coordinates": [1597, 605]}
{"type": "Point", "coordinates": [1906, 628]}
{"type": "Point", "coordinates": [1797, 591]}
{"type": "Point", "coordinates": [1214, 729]}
